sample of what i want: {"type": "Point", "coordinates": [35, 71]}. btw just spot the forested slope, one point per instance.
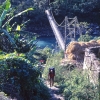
{"type": "Point", "coordinates": [85, 10]}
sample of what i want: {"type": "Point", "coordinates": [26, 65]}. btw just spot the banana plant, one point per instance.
{"type": "Point", "coordinates": [6, 10]}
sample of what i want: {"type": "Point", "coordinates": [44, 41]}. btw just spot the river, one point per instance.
{"type": "Point", "coordinates": [46, 41]}
{"type": "Point", "coordinates": [50, 42]}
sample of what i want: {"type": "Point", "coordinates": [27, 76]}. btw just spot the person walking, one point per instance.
{"type": "Point", "coordinates": [51, 76]}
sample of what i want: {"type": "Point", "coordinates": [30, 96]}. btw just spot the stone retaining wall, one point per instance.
{"type": "Point", "coordinates": [92, 63]}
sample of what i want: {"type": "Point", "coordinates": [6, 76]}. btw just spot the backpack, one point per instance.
{"type": "Point", "coordinates": [52, 68]}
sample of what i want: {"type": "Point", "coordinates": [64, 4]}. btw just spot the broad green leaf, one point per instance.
{"type": "Point", "coordinates": [10, 38]}
{"type": "Point", "coordinates": [3, 15]}
{"type": "Point", "coordinates": [8, 5]}
{"type": "Point", "coordinates": [17, 15]}
{"type": "Point", "coordinates": [30, 9]}
{"type": "Point", "coordinates": [24, 11]}
{"type": "Point", "coordinates": [16, 35]}
{"type": "Point", "coordinates": [18, 28]}
{"type": "Point", "coordinates": [8, 28]}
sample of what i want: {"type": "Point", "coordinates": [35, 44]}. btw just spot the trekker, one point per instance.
{"type": "Point", "coordinates": [51, 76]}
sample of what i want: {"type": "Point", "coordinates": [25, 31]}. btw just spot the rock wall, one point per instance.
{"type": "Point", "coordinates": [89, 54]}
{"type": "Point", "coordinates": [76, 50]}
{"type": "Point", "coordinates": [91, 63]}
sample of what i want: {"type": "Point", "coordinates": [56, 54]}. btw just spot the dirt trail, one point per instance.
{"type": "Point", "coordinates": [54, 91]}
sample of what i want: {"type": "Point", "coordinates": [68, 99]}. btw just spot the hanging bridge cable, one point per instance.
{"type": "Point", "coordinates": [71, 30]}
{"type": "Point", "coordinates": [78, 26]}
{"type": "Point", "coordinates": [55, 29]}
{"type": "Point", "coordinates": [54, 18]}
{"type": "Point", "coordinates": [61, 24]}
{"type": "Point", "coordinates": [74, 20]}
{"type": "Point", "coordinates": [69, 25]}
{"type": "Point", "coordinates": [65, 35]}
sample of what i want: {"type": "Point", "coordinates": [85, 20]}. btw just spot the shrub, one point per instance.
{"type": "Point", "coordinates": [77, 86]}
{"type": "Point", "coordinates": [54, 61]}
{"type": "Point", "coordinates": [85, 38]}
{"type": "Point", "coordinates": [97, 38]}
{"type": "Point", "coordinates": [22, 77]}
{"type": "Point", "coordinates": [73, 82]}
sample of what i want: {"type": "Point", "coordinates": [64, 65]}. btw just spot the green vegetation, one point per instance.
{"type": "Point", "coordinates": [73, 82]}
{"type": "Point", "coordinates": [85, 10]}
{"type": "Point", "coordinates": [77, 86]}
{"type": "Point", "coordinates": [54, 61]}
{"type": "Point", "coordinates": [12, 41]}
{"type": "Point", "coordinates": [97, 38]}
{"type": "Point", "coordinates": [85, 38]}
{"type": "Point", "coordinates": [19, 76]}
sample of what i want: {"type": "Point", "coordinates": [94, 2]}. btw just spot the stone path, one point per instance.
{"type": "Point", "coordinates": [54, 91]}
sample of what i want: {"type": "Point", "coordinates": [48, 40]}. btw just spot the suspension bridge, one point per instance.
{"type": "Point", "coordinates": [70, 25]}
